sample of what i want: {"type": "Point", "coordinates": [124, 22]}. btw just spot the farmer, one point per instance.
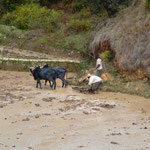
{"type": "Point", "coordinates": [94, 83]}
{"type": "Point", "coordinates": [99, 66]}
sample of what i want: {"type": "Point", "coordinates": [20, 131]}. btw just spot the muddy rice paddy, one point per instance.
{"type": "Point", "coordinates": [35, 119]}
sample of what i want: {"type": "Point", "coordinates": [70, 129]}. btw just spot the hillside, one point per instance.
{"type": "Point", "coordinates": [128, 37]}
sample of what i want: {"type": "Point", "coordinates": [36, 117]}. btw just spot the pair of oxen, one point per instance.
{"type": "Point", "coordinates": [49, 74]}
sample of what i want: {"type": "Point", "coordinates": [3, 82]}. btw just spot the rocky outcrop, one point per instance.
{"type": "Point", "coordinates": [128, 37]}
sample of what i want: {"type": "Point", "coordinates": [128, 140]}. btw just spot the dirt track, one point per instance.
{"type": "Point", "coordinates": [34, 119]}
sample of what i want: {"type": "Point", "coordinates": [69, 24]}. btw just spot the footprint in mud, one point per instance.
{"type": "Point", "coordinates": [97, 109]}
{"type": "Point", "coordinates": [134, 123]}
{"type": "Point", "coordinates": [37, 105]}
{"type": "Point", "coordinates": [144, 128]}
{"type": "Point", "coordinates": [26, 119]}
{"type": "Point", "coordinates": [85, 112]}
{"type": "Point", "coordinates": [108, 106]}
{"type": "Point", "coordinates": [37, 116]}
{"type": "Point", "coordinates": [80, 146]}
{"type": "Point", "coordinates": [14, 122]}
{"type": "Point", "coordinates": [49, 99]}
{"type": "Point", "coordinates": [113, 134]}
{"type": "Point", "coordinates": [20, 133]}
{"type": "Point", "coordinates": [114, 143]}
{"type": "Point", "coordinates": [46, 114]}
{"type": "Point", "coordinates": [30, 148]}
{"type": "Point", "coordinates": [127, 133]}
{"type": "Point", "coordinates": [2, 105]}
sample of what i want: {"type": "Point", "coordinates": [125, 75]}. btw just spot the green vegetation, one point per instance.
{"type": "Point", "coordinates": [32, 16]}
{"type": "Point", "coordinates": [106, 56]}
{"type": "Point", "coordinates": [19, 65]}
{"type": "Point", "coordinates": [10, 34]}
{"type": "Point", "coordinates": [147, 4]}
{"type": "Point", "coordinates": [78, 25]}
{"type": "Point", "coordinates": [140, 87]}
{"type": "Point", "coordinates": [10, 31]}
{"type": "Point", "coordinates": [66, 26]}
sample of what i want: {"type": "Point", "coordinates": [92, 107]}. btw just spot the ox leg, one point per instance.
{"type": "Point", "coordinates": [54, 84]}
{"type": "Point", "coordinates": [66, 83]}
{"type": "Point", "coordinates": [62, 84]}
{"type": "Point", "coordinates": [63, 81]}
{"type": "Point", "coordinates": [45, 82]}
{"type": "Point", "coordinates": [51, 85]}
{"type": "Point", "coordinates": [39, 83]}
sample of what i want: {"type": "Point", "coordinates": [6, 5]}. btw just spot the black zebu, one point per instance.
{"type": "Point", "coordinates": [48, 74]}
{"type": "Point", "coordinates": [61, 72]}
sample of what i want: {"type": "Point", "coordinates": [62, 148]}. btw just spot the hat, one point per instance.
{"type": "Point", "coordinates": [88, 75]}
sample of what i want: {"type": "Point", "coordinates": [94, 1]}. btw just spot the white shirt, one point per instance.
{"type": "Point", "coordinates": [94, 79]}
{"type": "Point", "coordinates": [99, 62]}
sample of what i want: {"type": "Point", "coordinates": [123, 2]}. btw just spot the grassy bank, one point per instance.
{"type": "Point", "coordinates": [137, 87]}
{"type": "Point", "coordinates": [18, 65]}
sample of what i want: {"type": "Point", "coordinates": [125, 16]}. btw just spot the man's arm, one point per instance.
{"type": "Point", "coordinates": [98, 63]}
{"type": "Point", "coordinates": [97, 66]}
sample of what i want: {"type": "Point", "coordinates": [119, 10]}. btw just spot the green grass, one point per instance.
{"type": "Point", "coordinates": [74, 42]}
{"type": "Point", "coordinates": [60, 38]}
{"type": "Point", "coordinates": [10, 31]}
{"type": "Point", "coordinates": [10, 34]}
{"type": "Point", "coordinates": [18, 65]}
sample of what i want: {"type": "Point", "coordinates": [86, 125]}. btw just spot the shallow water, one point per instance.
{"type": "Point", "coordinates": [64, 119]}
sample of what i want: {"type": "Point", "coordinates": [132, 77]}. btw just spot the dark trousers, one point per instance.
{"type": "Point", "coordinates": [95, 86]}
{"type": "Point", "coordinates": [98, 73]}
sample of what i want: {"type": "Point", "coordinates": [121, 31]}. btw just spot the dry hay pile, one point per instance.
{"type": "Point", "coordinates": [127, 37]}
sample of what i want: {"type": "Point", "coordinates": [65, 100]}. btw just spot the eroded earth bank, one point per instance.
{"type": "Point", "coordinates": [35, 119]}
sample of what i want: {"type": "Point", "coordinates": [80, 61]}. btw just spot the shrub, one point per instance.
{"type": "Point", "coordinates": [10, 31]}
{"type": "Point", "coordinates": [78, 26]}
{"type": "Point", "coordinates": [114, 71]}
{"type": "Point", "coordinates": [55, 17]}
{"type": "Point", "coordinates": [31, 16]}
{"type": "Point", "coordinates": [84, 13]}
{"type": "Point", "coordinates": [111, 6]}
{"type": "Point", "coordinates": [78, 5]}
{"type": "Point", "coordinates": [106, 56]}
{"type": "Point", "coordinates": [67, 1]}
{"type": "Point", "coordinates": [10, 5]}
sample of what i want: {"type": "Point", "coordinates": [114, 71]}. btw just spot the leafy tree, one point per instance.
{"type": "Point", "coordinates": [48, 3]}
{"type": "Point", "coordinates": [10, 5]}
{"type": "Point", "coordinates": [111, 6]}
{"type": "Point", "coordinates": [31, 16]}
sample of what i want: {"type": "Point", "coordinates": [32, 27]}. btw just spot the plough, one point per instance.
{"type": "Point", "coordinates": [83, 90]}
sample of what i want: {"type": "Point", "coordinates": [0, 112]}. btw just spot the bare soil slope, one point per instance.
{"type": "Point", "coordinates": [35, 119]}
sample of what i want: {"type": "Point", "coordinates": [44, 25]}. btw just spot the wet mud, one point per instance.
{"type": "Point", "coordinates": [64, 119]}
